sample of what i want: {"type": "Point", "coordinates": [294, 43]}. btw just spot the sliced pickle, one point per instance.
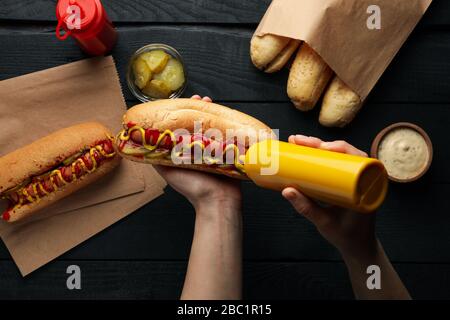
{"type": "Point", "coordinates": [157, 89]}
{"type": "Point", "coordinates": [45, 175]}
{"type": "Point", "coordinates": [158, 153]}
{"type": "Point", "coordinates": [71, 159]}
{"type": "Point", "coordinates": [172, 75]}
{"type": "Point", "coordinates": [142, 73]}
{"type": "Point", "coordinates": [16, 188]}
{"type": "Point", "coordinates": [156, 60]}
{"type": "Point", "coordinates": [135, 151]}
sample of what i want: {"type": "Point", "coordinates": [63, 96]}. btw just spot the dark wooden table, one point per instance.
{"type": "Point", "coordinates": [145, 255]}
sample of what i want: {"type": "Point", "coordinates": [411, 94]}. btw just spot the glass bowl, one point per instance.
{"type": "Point", "coordinates": [130, 75]}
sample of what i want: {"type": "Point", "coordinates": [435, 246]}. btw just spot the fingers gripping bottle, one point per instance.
{"type": "Point", "coordinates": [348, 181]}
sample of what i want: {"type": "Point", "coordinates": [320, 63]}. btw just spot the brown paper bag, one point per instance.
{"type": "Point", "coordinates": [36, 104]}
{"type": "Point", "coordinates": [36, 243]}
{"type": "Point", "coordinates": [338, 31]}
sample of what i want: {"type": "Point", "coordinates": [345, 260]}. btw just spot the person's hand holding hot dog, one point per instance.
{"type": "Point", "coordinates": [215, 262]}
{"type": "Point", "coordinates": [203, 189]}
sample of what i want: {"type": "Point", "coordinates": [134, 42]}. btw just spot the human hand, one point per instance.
{"type": "Point", "coordinates": [352, 233]}
{"type": "Point", "coordinates": [201, 189]}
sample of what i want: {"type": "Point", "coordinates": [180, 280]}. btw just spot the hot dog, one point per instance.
{"type": "Point", "coordinates": [53, 167]}
{"type": "Point", "coordinates": [166, 132]}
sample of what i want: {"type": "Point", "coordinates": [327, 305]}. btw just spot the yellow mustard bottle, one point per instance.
{"type": "Point", "coordinates": [349, 181]}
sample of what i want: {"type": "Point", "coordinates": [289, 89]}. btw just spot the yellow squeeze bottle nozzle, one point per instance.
{"type": "Point", "coordinates": [348, 181]}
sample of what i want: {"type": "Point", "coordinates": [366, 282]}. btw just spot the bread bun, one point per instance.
{"type": "Point", "coordinates": [176, 114]}
{"type": "Point", "coordinates": [270, 53]}
{"type": "Point", "coordinates": [43, 155]}
{"type": "Point", "coordinates": [308, 78]}
{"type": "Point", "coordinates": [26, 210]}
{"type": "Point", "coordinates": [340, 105]}
{"type": "Point", "coordinates": [173, 114]}
{"type": "Point", "coordinates": [197, 167]}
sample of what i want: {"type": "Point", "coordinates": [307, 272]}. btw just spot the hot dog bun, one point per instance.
{"type": "Point", "coordinates": [308, 78]}
{"type": "Point", "coordinates": [44, 154]}
{"type": "Point", "coordinates": [41, 155]}
{"type": "Point", "coordinates": [270, 52]}
{"type": "Point", "coordinates": [340, 105]}
{"type": "Point", "coordinates": [197, 167]}
{"type": "Point", "coordinates": [176, 114]}
{"type": "Point", "coordinates": [29, 209]}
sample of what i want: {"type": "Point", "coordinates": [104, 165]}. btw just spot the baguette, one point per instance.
{"type": "Point", "coordinates": [340, 105]}
{"type": "Point", "coordinates": [308, 78]}
{"type": "Point", "coordinates": [270, 53]}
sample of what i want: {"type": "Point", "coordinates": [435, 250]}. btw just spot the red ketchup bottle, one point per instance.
{"type": "Point", "coordinates": [86, 21]}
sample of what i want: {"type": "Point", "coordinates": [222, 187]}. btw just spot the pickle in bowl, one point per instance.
{"type": "Point", "coordinates": [157, 89]}
{"type": "Point", "coordinates": [156, 60]}
{"type": "Point", "coordinates": [172, 75]}
{"type": "Point", "coordinates": [142, 73]}
{"type": "Point", "coordinates": [156, 72]}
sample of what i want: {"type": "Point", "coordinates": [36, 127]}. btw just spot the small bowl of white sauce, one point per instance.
{"type": "Point", "coordinates": [406, 151]}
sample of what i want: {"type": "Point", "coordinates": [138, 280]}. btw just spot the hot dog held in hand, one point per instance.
{"type": "Point", "coordinates": [190, 133]}
{"type": "Point", "coordinates": [53, 167]}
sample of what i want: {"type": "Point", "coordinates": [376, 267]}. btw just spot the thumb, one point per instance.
{"type": "Point", "coordinates": [305, 206]}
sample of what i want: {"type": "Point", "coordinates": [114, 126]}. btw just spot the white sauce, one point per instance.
{"type": "Point", "coordinates": [404, 153]}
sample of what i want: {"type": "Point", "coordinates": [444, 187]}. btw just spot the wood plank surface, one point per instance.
{"type": "Point", "coordinates": [419, 73]}
{"type": "Point", "coordinates": [164, 280]}
{"type": "Point", "coordinates": [144, 256]}
{"type": "Point", "coordinates": [163, 228]}
{"type": "Point", "coordinates": [175, 11]}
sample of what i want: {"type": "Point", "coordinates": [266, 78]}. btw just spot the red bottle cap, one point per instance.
{"type": "Point", "coordinates": [76, 16]}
